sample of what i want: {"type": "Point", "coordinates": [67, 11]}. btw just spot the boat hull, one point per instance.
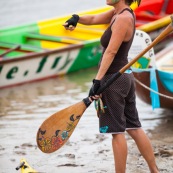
{"type": "Point", "coordinates": [144, 94]}
{"type": "Point", "coordinates": [40, 66]}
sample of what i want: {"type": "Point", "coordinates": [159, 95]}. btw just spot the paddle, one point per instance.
{"type": "Point", "coordinates": [56, 129]}
{"type": "Point", "coordinates": [10, 50]}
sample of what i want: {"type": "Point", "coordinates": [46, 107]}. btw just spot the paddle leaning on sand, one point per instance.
{"type": "Point", "coordinates": [57, 129]}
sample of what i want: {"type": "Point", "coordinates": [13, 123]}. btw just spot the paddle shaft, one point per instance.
{"type": "Point", "coordinates": [115, 76]}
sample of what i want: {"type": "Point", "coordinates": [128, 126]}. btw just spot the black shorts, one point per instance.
{"type": "Point", "coordinates": [119, 102]}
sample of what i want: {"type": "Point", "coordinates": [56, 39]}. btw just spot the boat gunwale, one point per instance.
{"type": "Point", "coordinates": [157, 24]}
{"type": "Point", "coordinates": [37, 54]}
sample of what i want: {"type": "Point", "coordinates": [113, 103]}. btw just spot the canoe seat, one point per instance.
{"type": "Point", "coordinates": [43, 37]}
{"type": "Point", "coordinates": [12, 50]}
{"type": "Point", "coordinates": [23, 47]}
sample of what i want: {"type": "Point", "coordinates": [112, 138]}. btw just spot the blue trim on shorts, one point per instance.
{"type": "Point", "coordinates": [128, 71]}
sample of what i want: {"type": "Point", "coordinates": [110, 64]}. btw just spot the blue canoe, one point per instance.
{"type": "Point", "coordinates": [154, 85]}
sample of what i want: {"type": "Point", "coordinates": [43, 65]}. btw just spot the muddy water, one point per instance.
{"type": "Point", "coordinates": [24, 108]}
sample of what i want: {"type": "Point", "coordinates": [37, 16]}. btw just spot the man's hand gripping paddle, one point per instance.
{"type": "Point", "coordinates": [56, 129]}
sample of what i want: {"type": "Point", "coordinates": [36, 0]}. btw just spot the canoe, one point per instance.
{"type": "Point", "coordinates": [153, 10]}
{"type": "Point", "coordinates": [24, 167]}
{"type": "Point", "coordinates": [43, 50]}
{"type": "Point", "coordinates": [155, 28]}
{"type": "Point", "coordinates": [47, 50]}
{"type": "Point", "coordinates": [154, 85]}
{"type": "Point", "coordinates": [152, 17]}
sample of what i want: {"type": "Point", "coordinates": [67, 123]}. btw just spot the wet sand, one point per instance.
{"type": "Point", "coordinates": [162, 141]}
{"type": "Point", "coordinates": [86, 151]}
{"type": "Point", "coordinates": [24, 108]}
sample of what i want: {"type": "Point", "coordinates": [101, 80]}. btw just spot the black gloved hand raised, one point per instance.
{"type": "Point", "coordinates": [73, 20]}
{"type": "Point", "coordinates": [94, 88]}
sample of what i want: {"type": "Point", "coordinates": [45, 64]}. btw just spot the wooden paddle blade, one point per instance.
{"type": "Point", "coordinates": [56, 130]}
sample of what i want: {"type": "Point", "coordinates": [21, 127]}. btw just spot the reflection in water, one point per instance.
{"type": "Point", "coordinates": [54, 92]}
{"type": "Point", "coordinates": [57, 93]}
{"type": "Point", "coordinates": [23, 108]}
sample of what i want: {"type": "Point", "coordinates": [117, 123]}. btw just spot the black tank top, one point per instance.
{"type": "Point", "coordinates": [120, 59]}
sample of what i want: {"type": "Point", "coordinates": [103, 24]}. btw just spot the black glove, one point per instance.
{"type": "Point", "coordinates": [94, 88]}
{"type": "Point", "coordinates": [73, 20]}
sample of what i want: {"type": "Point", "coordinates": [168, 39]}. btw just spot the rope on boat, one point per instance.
{"type": "Point", "coordinates": [146, 87]}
